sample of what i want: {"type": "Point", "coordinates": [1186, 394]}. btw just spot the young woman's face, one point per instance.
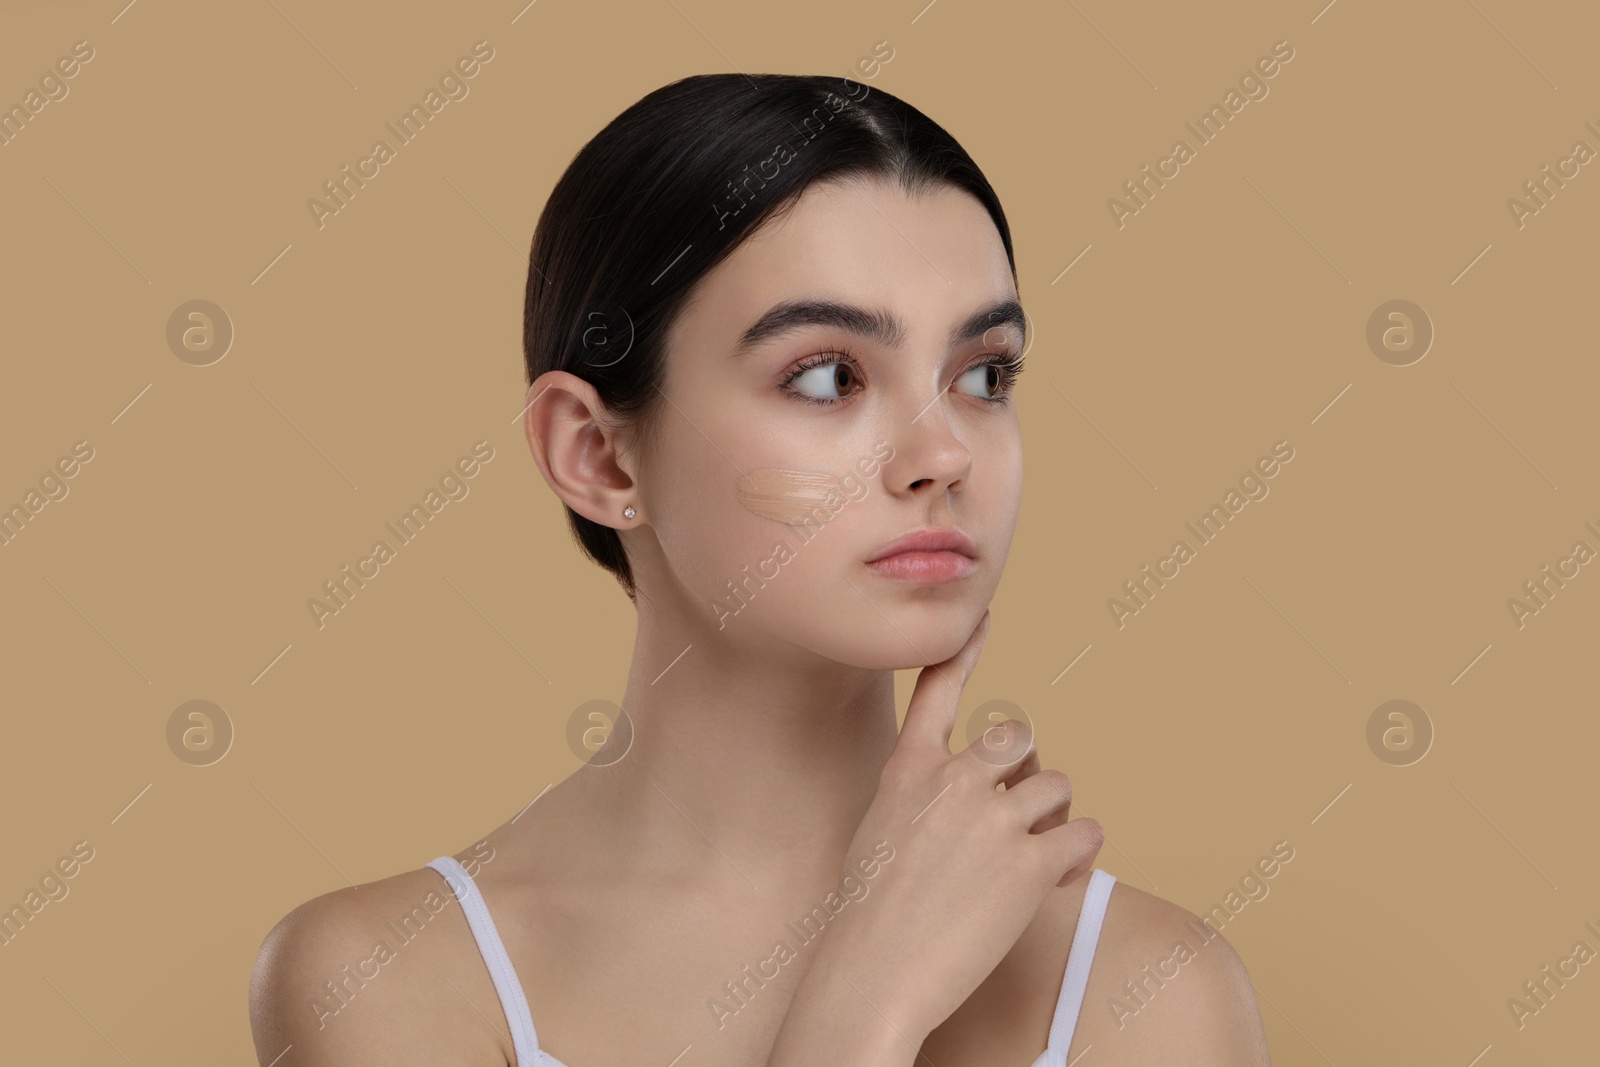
{"type": "Point", "coordinates": [784, 465]}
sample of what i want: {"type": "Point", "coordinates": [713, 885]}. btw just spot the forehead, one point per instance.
{"type": "Point", "coordinates": [930, 259]}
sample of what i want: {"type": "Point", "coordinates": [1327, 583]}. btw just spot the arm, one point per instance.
{"type": "Point", "coordinates": [830, 1020]}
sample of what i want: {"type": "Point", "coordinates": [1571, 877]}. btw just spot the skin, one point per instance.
{"type": "Point", "coordinates": [768, 736]}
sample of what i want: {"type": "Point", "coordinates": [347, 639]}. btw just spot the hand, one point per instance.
{"type": "Point", "coordinates": [970, 865]}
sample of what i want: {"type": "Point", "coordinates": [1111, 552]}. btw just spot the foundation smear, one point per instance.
{"type": "Point", "coordinates": [793, 497]}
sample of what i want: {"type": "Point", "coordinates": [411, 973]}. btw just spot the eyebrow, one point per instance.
{"type": "Point", "coordinates": [878, 326]}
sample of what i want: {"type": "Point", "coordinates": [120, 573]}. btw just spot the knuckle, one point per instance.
{"type": "Point", "coordinates": [1011, 738]}
{"type": "Point", "coordinates": [1058, 781]}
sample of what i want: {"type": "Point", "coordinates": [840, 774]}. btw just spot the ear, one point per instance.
{"type": "Point", "coordinates": [578, 450]}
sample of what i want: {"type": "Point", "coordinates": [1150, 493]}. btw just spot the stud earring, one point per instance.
{"type": "Point", "coordinates": [628, 512]}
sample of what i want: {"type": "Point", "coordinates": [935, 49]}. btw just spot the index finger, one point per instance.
{"type": "Point", "coordinates": [931, 715]}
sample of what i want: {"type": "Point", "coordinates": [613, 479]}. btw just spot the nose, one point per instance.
{"type": "Point", "coordinates": [928, 457]}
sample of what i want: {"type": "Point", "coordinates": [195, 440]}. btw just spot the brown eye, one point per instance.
{"type": "Point", "coordinates": [816, 381]}
{"type": "Point", "coordinates": [993, 379]}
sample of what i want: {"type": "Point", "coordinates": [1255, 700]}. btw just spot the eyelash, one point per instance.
{"type": "Point", "coordinates": [1010, 364]}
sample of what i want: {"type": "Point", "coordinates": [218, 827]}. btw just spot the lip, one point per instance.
{"type": "Point", "coordinates": [929, 539]}
{"type": "Point", "coordinates": [931, 554]}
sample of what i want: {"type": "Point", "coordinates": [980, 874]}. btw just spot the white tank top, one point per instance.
{"type": "Point", "coordinates": [526, 1042]}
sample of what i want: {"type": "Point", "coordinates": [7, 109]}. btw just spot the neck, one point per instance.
{"type": "Point", "coordinates": [749, 759]}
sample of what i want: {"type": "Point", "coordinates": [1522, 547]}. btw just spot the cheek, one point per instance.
{"type": "Point", "coordinates": [997, 488]}
{"type": "Point", "coordinates": [791, 497]}
{"type": "Point", "coordinates": [712, 524]}
{"type": "Point", "coordinates": [997, 468]}
{"type": "Point", "coordinates": [716, 524]}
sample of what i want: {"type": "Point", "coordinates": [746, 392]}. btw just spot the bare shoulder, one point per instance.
{"type": "Point", "coordinates": [1166, 988]}
{"type": "Point", "coordinates": [385, 972]}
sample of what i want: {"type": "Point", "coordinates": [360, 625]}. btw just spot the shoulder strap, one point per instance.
{"type": "Point", "coordinates": [1079, 957]}
{"type": "Point", "coordinates": [512, 1000]}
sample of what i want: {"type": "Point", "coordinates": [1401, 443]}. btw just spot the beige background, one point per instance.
{"type": "Point", "coordinates": [1228, 314]}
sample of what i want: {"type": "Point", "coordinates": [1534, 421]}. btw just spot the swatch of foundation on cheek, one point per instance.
{"type": "Point", "coordinates": [793, 497]}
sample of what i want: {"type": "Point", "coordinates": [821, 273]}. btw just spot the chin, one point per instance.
{"type": "Point", "coordinates": [905, 636]}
